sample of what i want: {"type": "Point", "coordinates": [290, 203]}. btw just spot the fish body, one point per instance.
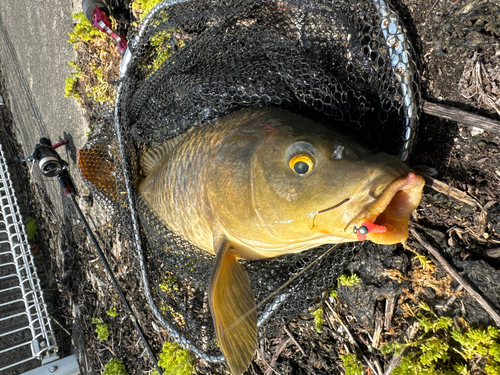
{"type": "Point", "coordinates": [264, 182]}
{"type": "Point", "coordinates": [233, 178]}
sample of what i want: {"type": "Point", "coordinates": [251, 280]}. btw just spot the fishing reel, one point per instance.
{"type": "Point", "coordinates": [51, 164]}
{"type": "Point", "coordinates": [49, 161]}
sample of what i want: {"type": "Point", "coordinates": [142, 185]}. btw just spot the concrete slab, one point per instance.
{"type": "Point", "coordinates": [34, 55]}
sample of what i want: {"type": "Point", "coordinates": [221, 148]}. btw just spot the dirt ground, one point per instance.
{"type": "Point", "coordinates": [448, 36]}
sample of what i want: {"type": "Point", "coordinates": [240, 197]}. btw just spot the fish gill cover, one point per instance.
{"type": "Point", "coordinates": [347, 63]}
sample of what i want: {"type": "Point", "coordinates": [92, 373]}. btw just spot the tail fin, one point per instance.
{"type": "Point", "coordinates": [232, 305]}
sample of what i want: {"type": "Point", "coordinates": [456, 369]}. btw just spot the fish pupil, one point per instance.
{"type": "Point", "coordinates": [301, 167]}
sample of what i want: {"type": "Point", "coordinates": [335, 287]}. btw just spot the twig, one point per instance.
{"type": "Point", "coordinates": [59, 324]}
{"type": "Point", "coordinates": [294, 341]}
{"type": "Point", "coordinates": [431, 8]}
{"type": "Point", "coordinates": [351, 338]}
{"type": "Point", "coordinates": [493, 253]}
{"type": "Point", "coordinates": [278, 351]}
{"type": "Point", "coordinates": [493, 314]}
{"type": "Point", "coordinates": [389, 311]}
{"type": "Point", "coordinates": [463, 117]}
{"type": "Point", "coordinates": [270, 367]}
{"type": "Point", "coordinates": [335, 315]}
{"type": "Point", "coordinates": [377, 331]}
{"type": "Point", "coordinates": [444, 188]}
{"type": "Point", "coordinates": [451, 299]}
{"type": "Point", "coordinates": [395, 361]}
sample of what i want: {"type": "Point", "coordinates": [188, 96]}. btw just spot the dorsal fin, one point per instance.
{"type": "Point", "coordinates": [232, 305]}
{"type": "Point", "coordinates": [152, 157]}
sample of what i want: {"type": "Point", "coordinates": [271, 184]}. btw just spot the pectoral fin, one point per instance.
{"type": "Point", "coordinates": [232, 305]}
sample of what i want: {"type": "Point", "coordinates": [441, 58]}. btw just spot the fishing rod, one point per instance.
{"type": "Point", "coordinates": [52, 165]}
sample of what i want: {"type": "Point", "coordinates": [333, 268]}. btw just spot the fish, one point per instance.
{"type": "Point", "coordinates": [263, 182]}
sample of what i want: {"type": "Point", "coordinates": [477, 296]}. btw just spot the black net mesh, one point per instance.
{"type": "Point", "coordinates": [347, 63]}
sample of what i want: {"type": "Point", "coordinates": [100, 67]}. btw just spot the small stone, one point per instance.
{"type": "Point", "coordinates": [432, 172]}
{"type": "Point", "coordinates": [466, 210]}
{"type": "Point", "coordinates": [476, 131]}
{"type": "Point", "coordinates": [86, 201]}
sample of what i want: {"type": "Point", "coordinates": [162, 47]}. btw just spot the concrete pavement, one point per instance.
{"type": "Point", "coordinates": [34, 55]}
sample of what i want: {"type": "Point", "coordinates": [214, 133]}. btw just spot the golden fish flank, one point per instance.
{"type": "Point", "coordinates": [263, 182]}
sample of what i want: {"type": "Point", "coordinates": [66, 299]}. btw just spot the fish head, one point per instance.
{"type": "Point", "coordinates": [308, 186]}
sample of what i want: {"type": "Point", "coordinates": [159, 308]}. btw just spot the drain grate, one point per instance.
{"type": "Point", "coordinates": [26, 333]}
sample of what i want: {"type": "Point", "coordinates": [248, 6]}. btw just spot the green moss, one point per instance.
{"type": "Point", "coordinates": [349, 280]}
{"type": "Point", "coordinates": [112, 312]}
{"type": "Point", "coordinates": [103, 92]}
{"type": "Point", "coordinates": [143, 7]}
{"type": "Point", "coordinates": [115, 367]}
{"type": "Point", "coordinates": [351, 364]}
{"type": "Point", "coordinates": [346, 281]}
{"type": "Point", "coordinates": [169, 284]}
{"type": "Point", "coordinates": [175, 361]}
{"type": "Point", "coordinates": [163, 50]}
{"type": "Point", "coordinates": [71, 88]}
{"type": "Point", "coordinates": [441, 349]}
{"type": "Point", "coordinates": [83, 30]}
{"type": "Point", "coordinates": [318, 319]}
{"type": "Point", "coordinates": [101, 329]}
{"type": "Point", "coordinates": [31, 228]}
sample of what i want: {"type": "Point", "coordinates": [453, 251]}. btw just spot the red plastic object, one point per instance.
{"type": "Point", "coordinates": [59, 144]}
{"type": "Point", "coordinates": [372, 228]}
{"type": "Point", "coordinates": [103, 23]}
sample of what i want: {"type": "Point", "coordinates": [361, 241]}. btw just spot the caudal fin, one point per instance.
{"type": "Point", "coordinates": [232, 305]}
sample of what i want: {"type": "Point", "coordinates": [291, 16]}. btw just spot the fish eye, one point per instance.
{"type": "Point", "coordinates": [301, 164]}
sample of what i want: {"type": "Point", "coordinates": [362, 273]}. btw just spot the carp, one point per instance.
{"type": "Point", "coordinates": [264, 182]}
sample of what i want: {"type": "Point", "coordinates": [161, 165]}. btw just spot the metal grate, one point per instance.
{"type": "Point", "coordinates": [25, 327]}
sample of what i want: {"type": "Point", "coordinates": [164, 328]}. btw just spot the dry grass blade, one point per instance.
{"type": "Point", "coordinates": [477, 82]}
{"type": "Point", "coordinates": [463, 117]}
{"type": "Point", "coordinates": [294, 341]}
{"type": "Point", "coordinates": [493, 314]}
{"type": "Point", "coordinates": [396, 359]}
{"type": "Point", "coordinates": [353, 341]}
{"type": "Point", "coordinates": [444, 188]}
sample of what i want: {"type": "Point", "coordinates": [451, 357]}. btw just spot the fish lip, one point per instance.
{"type": "Point", "coordinates": [392, 210]}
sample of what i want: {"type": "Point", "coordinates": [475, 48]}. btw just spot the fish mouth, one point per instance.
{"type": "Point", "coordinates": [392, 210]}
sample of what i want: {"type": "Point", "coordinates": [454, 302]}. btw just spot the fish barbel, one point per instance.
{"type": "Point", "coordinates": [263, 182]}
{"type": "Point", "coordinates": [259, 183]}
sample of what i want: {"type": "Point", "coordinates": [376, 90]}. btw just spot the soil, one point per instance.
{"type": "Point", "coordinates": [393, 282]}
